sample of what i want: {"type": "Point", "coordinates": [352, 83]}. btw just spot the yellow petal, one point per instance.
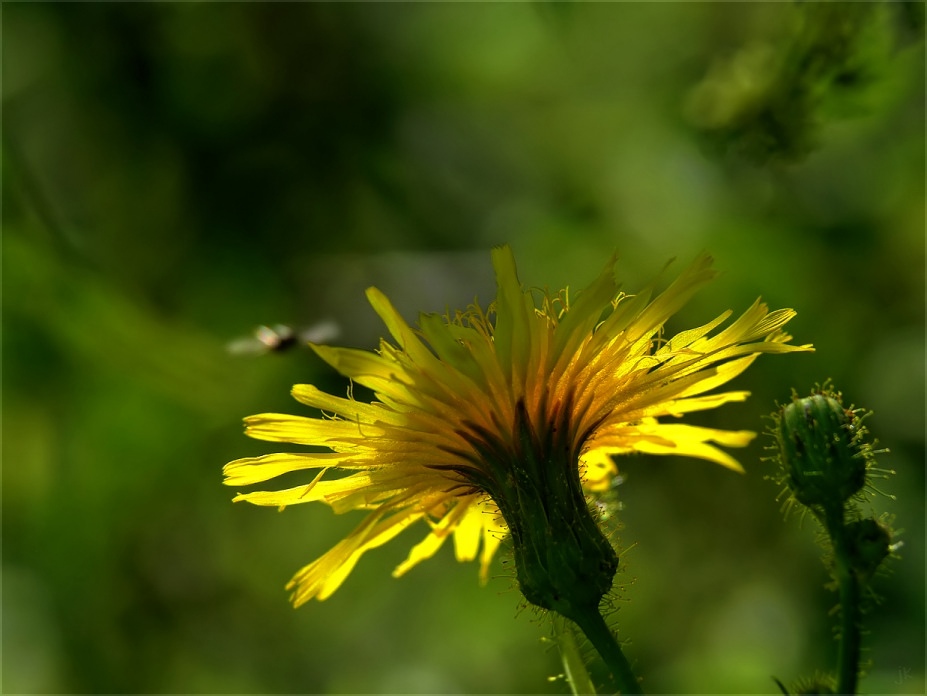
{"type": "Point", "coordinates": [494, 530]}
{"type": "Point", "coordinates": [514, 312]}
{"type": "Point", "coordinates": [687, 338]}
{"type": "Point", "coordinates": [598, 470]}
{"type": "Point", "coordinates": [469, 531]}
{"type": "Point", "coordinates": [585, 312]}
{"type": "Point", "coordinates": [435, 539]}
{"type": "Point", "coordinates": [279, 427]}
{"type": "Point", "coordinates": [669, 301]}
{"type": "Point", "coordinates": [244, 472]}
{"type": "Point", "coordinates": [348, 409]}
{"type": "Point", "coordinates": [407, 339]}
{"type": "Point", "coordinates": [675, 439]}
{"type": "Point", "coordinates": [366, 368]}
{"type": "Point", "coordinates": [326, 491]}
{"type": "Point", "coordinates": [323, 576]}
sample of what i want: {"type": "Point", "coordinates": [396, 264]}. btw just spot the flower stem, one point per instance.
{"type": "Point", "coordinates": [603, 640]}
{"type": "Point", "coordinates": [848, 659]}
{"type": "Point", "coordinates": [848, 584]}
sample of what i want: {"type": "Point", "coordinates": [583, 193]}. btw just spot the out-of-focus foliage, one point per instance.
{"type": "Point", "coordinates": [175, 174]}
{"type": "Point", "coordinates": [768, 99]}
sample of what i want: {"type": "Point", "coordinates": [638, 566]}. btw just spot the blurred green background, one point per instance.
{"type": "Point", "coordinates": [176, 174]}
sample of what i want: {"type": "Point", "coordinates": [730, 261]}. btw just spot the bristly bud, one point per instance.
{"type": "Point", "coordinates": [821, 450]}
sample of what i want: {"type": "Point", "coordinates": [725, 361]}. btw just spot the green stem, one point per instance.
{"type": "Point", "coordinates": [848, 659]}
{"type": "Point", "coordinates": [850, 614]}
{"type": "Point", "coordinates": [603, 640]}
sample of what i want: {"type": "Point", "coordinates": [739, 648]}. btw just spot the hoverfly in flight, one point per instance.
{"type": "Point", "coordinates": [280, 338]}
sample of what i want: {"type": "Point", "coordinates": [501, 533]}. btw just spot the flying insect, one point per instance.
{"type": "Point", "coordinates": [281, 338]}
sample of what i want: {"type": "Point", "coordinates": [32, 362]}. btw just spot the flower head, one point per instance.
{"type": "Point", "coordinates": [498, 421]}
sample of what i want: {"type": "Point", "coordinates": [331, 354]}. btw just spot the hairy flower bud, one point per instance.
{"type": "Point", "coordinates": [820, 449]}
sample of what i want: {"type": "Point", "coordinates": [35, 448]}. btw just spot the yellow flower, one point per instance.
{"type": "Point", "coordinates": [495, 421]}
